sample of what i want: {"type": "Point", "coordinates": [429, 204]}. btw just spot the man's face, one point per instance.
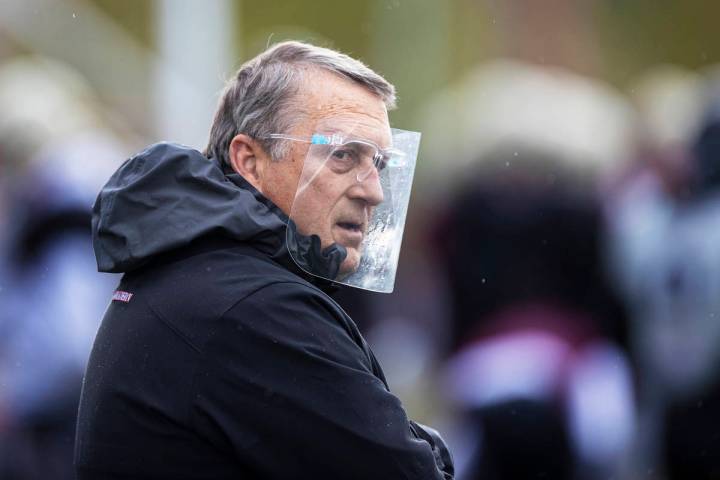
{"type": "Point", "coordinates": [337, 207]}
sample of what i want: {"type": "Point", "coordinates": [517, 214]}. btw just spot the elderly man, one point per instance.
{"type": "Point", "coordinates": [221, 354]}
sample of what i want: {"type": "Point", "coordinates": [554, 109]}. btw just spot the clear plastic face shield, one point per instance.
{"type": "Point", "coordinates": [348, 216]}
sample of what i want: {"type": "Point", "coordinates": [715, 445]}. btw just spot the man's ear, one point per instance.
{"type": "Point", "coordinates": [248, 159]}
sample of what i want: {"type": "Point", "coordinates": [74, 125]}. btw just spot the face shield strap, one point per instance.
{"type": "Point", "coordinates": [308, 254]}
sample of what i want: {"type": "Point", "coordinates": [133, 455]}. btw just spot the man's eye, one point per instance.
{"type": "Point", "coordinates": [345, 155]}
{"type": "Point", "coordinates": [381, 161]}
{"type": "Point", "coordinates": [343, 160]}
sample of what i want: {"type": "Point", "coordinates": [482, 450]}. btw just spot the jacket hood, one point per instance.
{"type": "Point", "coordinates": [169, 195]}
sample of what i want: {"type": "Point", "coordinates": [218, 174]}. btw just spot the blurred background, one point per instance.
{"type": "Point", "coordinates": [557, 307]}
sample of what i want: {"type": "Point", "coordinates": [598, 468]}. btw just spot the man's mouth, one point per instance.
{"type": "Point", "coordinates": [350, 233]}
{"type": "Point", "coordinates": [354, 227]}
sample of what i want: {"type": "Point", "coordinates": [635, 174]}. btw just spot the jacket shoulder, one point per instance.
{"type": "Point", "coordinates": [192, 294]}
{"type": "Point", "coordinates": [298, 308]}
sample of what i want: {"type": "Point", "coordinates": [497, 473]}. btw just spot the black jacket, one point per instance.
{"type": "Point", "coordinates": [217, 357]}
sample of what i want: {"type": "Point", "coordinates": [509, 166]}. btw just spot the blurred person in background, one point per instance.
{"type": "Point", "coordinates": [538, 369]}
{"type": "Point", "coordinates": [665, 252]}
{"type": "Point", "coordinates": [55, 154]}
{"type": "Point", "coordinates": [539, 364]}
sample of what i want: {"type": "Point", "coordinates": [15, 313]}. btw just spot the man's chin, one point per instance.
{"type": "Point", "coordinates": [350, 264]}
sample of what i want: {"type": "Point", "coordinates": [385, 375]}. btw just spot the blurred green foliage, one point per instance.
{"type": "Point", "coordinates": [423, 45]}
{"type": "Point", "coordinates": [135, 16]}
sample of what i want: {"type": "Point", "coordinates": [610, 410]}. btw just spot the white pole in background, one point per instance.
{"type": "Point", "coordinates": [195, 42]}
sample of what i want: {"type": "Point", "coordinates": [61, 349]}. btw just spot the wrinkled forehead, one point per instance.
{"type": "Point", "coordinates": [337, 105]}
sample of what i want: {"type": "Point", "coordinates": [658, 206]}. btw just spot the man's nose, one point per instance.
{"type": "Point", "coordinates": [367, 187]}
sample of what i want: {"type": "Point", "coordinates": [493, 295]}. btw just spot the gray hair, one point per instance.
{"type": "Point", "coordinates": [259, 99]}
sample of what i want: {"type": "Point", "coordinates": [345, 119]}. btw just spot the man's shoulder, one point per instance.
{"type": "Point", "coordinates": [233, 293]}
{"type": "Point", "coordinates": [292, 314]}
{"type": "Point", "coordinates": [192, 292]}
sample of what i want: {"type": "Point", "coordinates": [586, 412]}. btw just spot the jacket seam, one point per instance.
{"type": "Point", "coordinates": [253, 292]}
{"type": "Point", "coordinates": [173, 329]}
{"type": "Point", "coordinates": [312, 288]}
